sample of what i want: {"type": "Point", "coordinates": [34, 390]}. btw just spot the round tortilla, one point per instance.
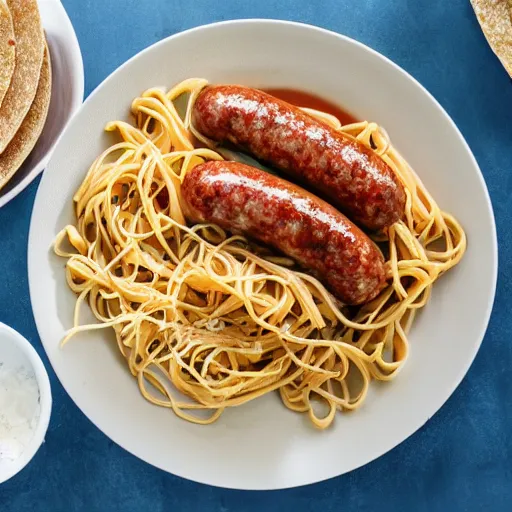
{"type": "Point", "coordinates": [7, 49]}
{"type": "Point", "coordinates": [30, 44]}
{"type": "Point", "coordinates": [495, 18]}
{"type": "Point", "coordinates": [26, 137]}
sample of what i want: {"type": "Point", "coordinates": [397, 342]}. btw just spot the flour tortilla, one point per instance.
{"type": "Point", "coordinates": [495, 18]}
{"type": "Point", "coordinates": [26, 137]}
{"type": "Point", "coordinates": [30, 44]}
{"type": "Point", "coordinates": [7, 49]}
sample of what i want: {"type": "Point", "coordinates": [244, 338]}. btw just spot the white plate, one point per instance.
{"type": "Point", "coordinates": [262, 445]}
{"type": "Point", "coordinates": [67, 94]}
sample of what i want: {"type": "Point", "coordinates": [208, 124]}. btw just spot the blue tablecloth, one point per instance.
{"type": "Point", "coordinates": [462, 458]}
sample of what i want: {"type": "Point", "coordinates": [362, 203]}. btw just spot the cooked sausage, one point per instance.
{"type": "Point", "coordinates": [243, 199]}
{"type": "Point", "coordinates": [353, 178]}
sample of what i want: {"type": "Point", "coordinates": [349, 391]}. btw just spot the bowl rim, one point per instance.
{"type": "Point", "coordinates": [486, 315]}
{"type": "Point", "coordinates": [77, 91]}
{"type": "Point", "coordinates": [45, 393]}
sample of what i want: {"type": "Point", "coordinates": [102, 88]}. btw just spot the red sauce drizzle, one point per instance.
{"type": "Point", "coordinates": [308, 100]}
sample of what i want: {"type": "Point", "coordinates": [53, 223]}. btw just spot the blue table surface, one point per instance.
{"type": "Point", "coordinates": [462, 458]}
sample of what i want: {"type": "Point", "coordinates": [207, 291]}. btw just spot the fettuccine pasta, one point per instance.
{"type": "Point", "coordinates": [208, 321]}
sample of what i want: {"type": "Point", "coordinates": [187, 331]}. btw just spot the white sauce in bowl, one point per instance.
{"type": "Point", "coordinates": [20, 409]}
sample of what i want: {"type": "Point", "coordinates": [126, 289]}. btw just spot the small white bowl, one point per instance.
{"type": "Point", "coordinates": [15, 349]}
{"type": "Point", "coordinates": [67, 94]}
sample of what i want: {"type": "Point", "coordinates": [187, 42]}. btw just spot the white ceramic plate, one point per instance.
{"type": "Point", "coordinates": [67, 94]}
{"type": "Point", "coordinates": [262, 445]}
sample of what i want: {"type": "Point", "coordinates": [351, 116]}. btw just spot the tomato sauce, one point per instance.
{"type": "Point", "coordinates": [308, 100]}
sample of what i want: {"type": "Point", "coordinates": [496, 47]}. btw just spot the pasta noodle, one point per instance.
{"type": "Point", "coordinates": [208, 321]}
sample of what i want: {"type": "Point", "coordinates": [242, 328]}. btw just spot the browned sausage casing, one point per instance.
{"type": "Point", "coordinates": [240, 198]}
{"type": "Point", "coordinates": [352, 176]}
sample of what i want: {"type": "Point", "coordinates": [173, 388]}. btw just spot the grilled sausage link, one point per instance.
{"type": "Point", "coordinates": [243, 199]}
{"type": "Point", "coordinates": [354, 178]}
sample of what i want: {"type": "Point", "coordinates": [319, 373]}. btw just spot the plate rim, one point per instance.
{"type": "Point", "coordinates": [447, 392]}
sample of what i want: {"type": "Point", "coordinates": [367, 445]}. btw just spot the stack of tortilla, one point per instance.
{"type": "Point", "coordinates": [25, 83]}
{"type": "Point", "coordinates": [495, 18]}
